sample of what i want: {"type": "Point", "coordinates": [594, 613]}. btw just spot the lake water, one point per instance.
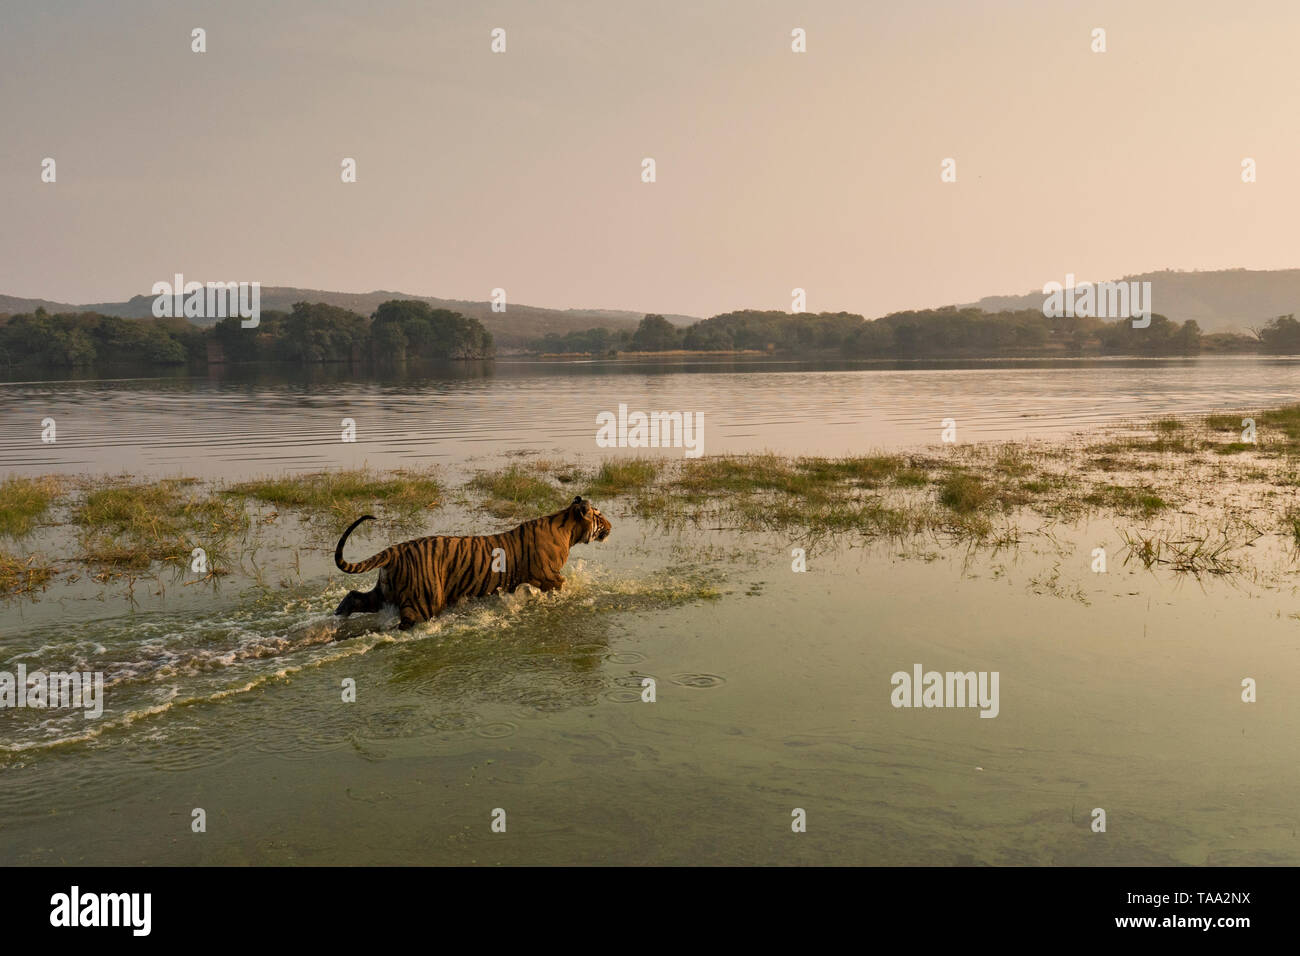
{"type": "Point", "coordinates": [1118, 691]}
{"type": "Point", "coordinates": [253, 422]}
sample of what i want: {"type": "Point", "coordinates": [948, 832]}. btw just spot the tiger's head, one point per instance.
{"type": "Point", "coordinates": [589, 523]}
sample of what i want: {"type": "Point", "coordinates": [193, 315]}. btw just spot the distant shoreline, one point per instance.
{"type": "Point", "coordinates": [275, 370]}
{"type": "Point", "coordinates": [823, 355]}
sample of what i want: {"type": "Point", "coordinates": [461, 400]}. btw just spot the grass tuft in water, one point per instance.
{"type": "Point", "coordinates": [515, 492]}
{"type": "Point", "coordinates": [126, 524]}
{"type": "Point", "coordinates": [1142, 501]}
{"type": "Point", "coordinates": [22, 575]}
{"type": "Point", "coordinates": [623, 476]}
{"type": "Point", "coordinates": [24, 502]}
{"type": "Point", "coordinates": [348, 494]}
{"type": "Point", "coordinates": [965, 493]}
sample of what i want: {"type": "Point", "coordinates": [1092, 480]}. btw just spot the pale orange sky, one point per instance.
{"type": "Point", "coordinates": [522, 170]}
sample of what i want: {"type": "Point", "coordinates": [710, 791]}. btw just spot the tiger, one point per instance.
{"type": "Point", "coordinates": [424, 576]}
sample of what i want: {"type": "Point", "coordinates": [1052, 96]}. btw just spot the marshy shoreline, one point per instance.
{"type": "Point", "coordinates": [1195, 496]}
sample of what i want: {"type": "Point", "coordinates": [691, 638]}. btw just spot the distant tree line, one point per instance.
{"type": "Point", "coordinates": [953, 331]}
{"type": "Point", "coordinates": [402, 329]}
{"type": "Point", "coordinates": [588, 341]}
{"type": "Point", "coordinates": [1161, 337]}
{"type": "Point", "coordinates": [75, 339]}
{"type": "Point", "coordinates": [309, 333]}
{"type": "Point", "coordinates": [928, 333]}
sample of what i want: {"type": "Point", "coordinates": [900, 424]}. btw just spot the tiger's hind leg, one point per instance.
{"type": "Point", "coordinates": [361, 602]}
{"type": "Point", "coordinates": [410, 617]}
{"type": "Point", "coordinates": [418, 611]}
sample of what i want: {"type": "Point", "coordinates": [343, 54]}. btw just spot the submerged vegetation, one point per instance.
{"type": "Point", "coordinates": [124, 527]}
{"type": "Point", "coordinates": [1184, 495]}
{"type": "Point", "coordinates": [1179, 501]}
{"type": "Point", "coordinates": [22, 575]}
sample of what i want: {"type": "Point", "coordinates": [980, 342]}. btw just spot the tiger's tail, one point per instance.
{"type": "Point", "coordinates": [361, 567]}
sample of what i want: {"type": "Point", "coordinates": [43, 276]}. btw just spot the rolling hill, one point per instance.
{"type": "Point", "coordinates": [1228, 300]}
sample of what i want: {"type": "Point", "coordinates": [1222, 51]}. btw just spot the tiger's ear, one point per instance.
{"type": "Point", "coordinates": [582, 506]}
{"type": "Point", "coordinates": [577, 499]}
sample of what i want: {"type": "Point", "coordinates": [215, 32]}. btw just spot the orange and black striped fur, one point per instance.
{"type": "Point", "coordinates": [423, 576]}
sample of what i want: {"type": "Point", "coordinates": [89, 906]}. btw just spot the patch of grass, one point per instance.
{"type": "Point", "coordinates": [113, 554]}
{"type": "Point", "coordinates": [347, 494]}
{"type": "Point", "coordinates": [868, 472]}
{"type": "Point", "coordinates": [810, 479]}
{"type": "Point", "coordinates": [739, 474]}
{"type": "Point", "coordinates": [1012, 463]}
{"type": "Point", "coordinates": [911, 478]}
{"type": "Point", "coordinates": [1170, 444]}
{"type": "Point", "coordinates": [1291, 525]}
{"type": "Point", "coordinates": [561, 471]}
{"type": "Point", "coordinates": [1141, 501]}
{"type": "Point", "coordinates": [1166, 426]}
{"type": "Point", "coordinates": [1041, 485]}
{"type": "Point", "coordinates": [1161, 443]}
{"type": "Point", "coordinates": [126, 506]}
{"type": "Point", "coordinates": [870, 518]}
{"type": "Point", "coordinates": [1235, 447]}
{"type": "Point", "coordinates": [1278, 428]}
{"type": "Point", "coordinates": [1224, 423]}
{"type": "Point", "coordinates": [819, 497]}
{"type": "Point", "coordinates": [20, 576]}
{"type": "Point", "coordinates": [515, 491]}
{"type": "Point", "coordinates": [624, 476]}
{"type": "Point", "coordinates": [127, 524]}
{"type": "Point", "coordinates": [1284, 421]}
{"type": "Point", "coordinates": [24, 501]}
{"type": "Point", "coordinates": [969, 527]}
{"type": "Point", "coordinates": [965, 493]}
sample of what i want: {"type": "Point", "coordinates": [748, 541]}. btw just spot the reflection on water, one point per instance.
{"type": "Point", "coordinates": [243, 421]}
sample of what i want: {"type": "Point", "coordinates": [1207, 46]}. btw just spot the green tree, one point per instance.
{"type": "Point", "coordinates": [1281, 335]}
{"type": "Point", "coordinates": [655, 334]}
{"type": "Point", "coordinates": [429, 333]}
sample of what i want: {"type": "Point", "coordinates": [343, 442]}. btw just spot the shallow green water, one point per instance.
{"type": "Point", "coordinates": [1119, 691]}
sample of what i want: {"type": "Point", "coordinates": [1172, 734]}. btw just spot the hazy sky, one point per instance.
{"type": "Point", "coordinates": [523, 170]}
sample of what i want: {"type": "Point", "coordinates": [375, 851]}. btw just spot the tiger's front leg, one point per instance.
{"type": "Point", "coordinates": [547, 584]}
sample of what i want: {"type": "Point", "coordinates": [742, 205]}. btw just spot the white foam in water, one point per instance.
{"type": "Point", "coordinates": [176, 666]}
